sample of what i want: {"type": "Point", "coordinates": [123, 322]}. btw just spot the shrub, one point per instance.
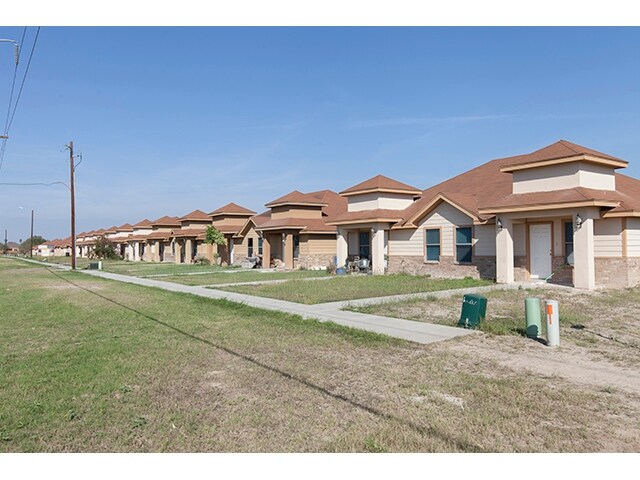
{"type": "Point", "coordinates": [200, 260]}
{"type": "Point", "coordinates": [104, 249]}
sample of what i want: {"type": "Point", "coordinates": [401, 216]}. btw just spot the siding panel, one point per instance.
{"type": "Point", "coordinates": [607, 240]}
{"type": "Point", "coordinates": [633, 237]}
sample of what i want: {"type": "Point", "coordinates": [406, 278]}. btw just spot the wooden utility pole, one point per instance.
{"type": "Point", "coordinates": [31, 241]}
{"type": "Point", "coordinates": [73, 206]}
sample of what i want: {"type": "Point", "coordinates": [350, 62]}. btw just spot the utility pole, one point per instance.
{"type": "Point", "coordinates": [73, 206]}
{"type": "Point", "coordinates": [31, 242]}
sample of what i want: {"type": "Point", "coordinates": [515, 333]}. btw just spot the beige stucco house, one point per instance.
{"type": "Point", "coordinates": [137, 249]}
{"type": "Point", "coordinates": [295, 233]}
{"type": "Point", "coordinates": [190, 237]}
{"type": "Point", "coordinates": [562, 213]}
{"type": "Point", "coordinates": [160, 245]}
{"type": "Point", "coordinates": [230, 219]}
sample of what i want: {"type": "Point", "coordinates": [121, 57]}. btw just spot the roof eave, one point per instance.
{"type": "Point", "coordinates": [547, 206]}
{"type": "Point", "coordinates": [560, 160]}
{"type": "Point", "coordinates": [349, 193]}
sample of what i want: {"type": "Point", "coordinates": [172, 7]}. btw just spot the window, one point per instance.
{"type": "Point", "coordinates": [259, 246]}
{"type": "Point", "coordinates": [568, 242]}
{"type": "Point", "coordinates": [464, 237]}
{"type": "Point", "coordinates": [433, 244]}
{"type": "Point", "coordinates": [250, 248]}
{"type": "Point", "coordinates": [296, 246]}
{"type": "Point", "coordinates": [363, 241]}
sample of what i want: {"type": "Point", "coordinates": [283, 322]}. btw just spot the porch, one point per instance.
{"type": "Point", "coordinates": [555, 247]}
{"type": "Point", "coordinates": [362, 247]}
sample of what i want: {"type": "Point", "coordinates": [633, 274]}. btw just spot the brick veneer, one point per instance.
{"type": "Point", "coordinates": [482, 267]}
{"type": "Point", "coordinates": [617, 272]}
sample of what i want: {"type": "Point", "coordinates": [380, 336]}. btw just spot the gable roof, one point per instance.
{"type": "Point", "coordinates": [380, 183]}
{"type": "Point", "coordinates": [231, 209]}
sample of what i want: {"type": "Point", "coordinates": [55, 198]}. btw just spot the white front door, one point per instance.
{"type": "Point", "coordinates": [540, 250]}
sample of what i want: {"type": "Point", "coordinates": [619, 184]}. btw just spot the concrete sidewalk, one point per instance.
{"type": "Point", "coordinates": [329, 312]}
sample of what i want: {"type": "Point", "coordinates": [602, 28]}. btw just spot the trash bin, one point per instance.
{"type": "Point", "coordinates": [474, 308]}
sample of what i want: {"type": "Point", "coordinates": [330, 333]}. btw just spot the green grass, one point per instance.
{"type": "Point", "coordinates": [354, 287]}
{"type": "Point", "coordinates": [90, 365]}
{"type": "Point", "coordinates": [242, 276]}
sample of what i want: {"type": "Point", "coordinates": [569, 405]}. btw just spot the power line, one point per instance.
{"type": "Point", "coordinates": [9, 121]}
{"type": "Point", "coordinates": [24, 78]}
{"type": "Point", "coordinates": [15, 184]}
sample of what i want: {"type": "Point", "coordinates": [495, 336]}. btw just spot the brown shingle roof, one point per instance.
{"type": "Point", "coordinates": [380, 183]}
{"type": "Point", "coordinates": [197, 215]}
{"type": "Point", "coordinates": [558, 150]}
{"type": "Point", "coordinates": [331, 204]}
{"type": "Point", "coordinates": [143, 223]}
{"type": "Point", "coordinates": [231, 209]}
{"type": "Point", "coordinates": [166, 221]}
{"type": "Point", "coordinates": [297, 198]}
{"type": "Point", "coordinates": [125, 228]}
{"type": "Point", "coordinates": [188, 232]}
{"type": "Point", "coordinates": [488, 186]}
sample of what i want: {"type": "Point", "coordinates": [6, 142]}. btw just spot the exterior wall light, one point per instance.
{"type": "Point", "coordinates": [499, 224]}
{"type": "Point", "coordinates": [578, 221]}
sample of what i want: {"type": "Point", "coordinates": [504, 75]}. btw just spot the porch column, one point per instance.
{"type": "Point", "coordinates": [188, 251]}
{"type": "Point", "coordinates": [377, 251]}
{"type": "Point", "coordinates": [210, 252]}
{"type": "Point", "coordinates": [178, 252]}
{"type": "Point", "coordinates": [136, 251]}
{"type": "Point", "coordinates": [342, 248]}
{"type": "Point", "coordinates": [230, 250]}
{"type": "Point", "coordinates": [584, 266]}
{"type": "Point", "coordinates": [288, 251]}
{"type": "Point", "coordinates": [504, 251]}
{"type": "Point", "coordinates": [156, 255]}
{"type": "Point", "coordinates": [266, 252]}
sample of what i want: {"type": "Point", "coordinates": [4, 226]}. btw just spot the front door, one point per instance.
{"type": "Point", "coordinates": [540, 250]}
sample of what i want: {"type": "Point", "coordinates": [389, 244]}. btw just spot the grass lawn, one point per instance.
{"type": "Point", "coordinates": [90, 365]}
{"type": "Point", "coordinates": [243, 276]}
{"type": "Point", "coordinates": [139, 269]}
{"type": "Point", "coordinates": [352, 287]}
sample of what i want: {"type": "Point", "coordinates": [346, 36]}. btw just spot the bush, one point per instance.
{"type": "Point", "coordinates": [200, 260]}
{"type": "Point", "coordinates": [104, 249]}
{"type": "Point", "coordinates": [331, 268]}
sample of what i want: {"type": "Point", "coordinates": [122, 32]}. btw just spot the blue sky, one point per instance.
{"type": "Point", "coordinates": [173, 119]}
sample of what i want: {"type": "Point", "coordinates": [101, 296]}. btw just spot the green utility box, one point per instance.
{"type": "Point", "coordinates": [474, 308]}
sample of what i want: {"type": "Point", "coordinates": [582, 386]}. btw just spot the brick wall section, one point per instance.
{"type": "Point", "coordinates": [634, 271]}
{"type": "Point", "coordinates": [562, 273]}
{"type": "Point", "coordinates": [617, 272]}
{"type": "Point", "coordinates": [482, 267]}
{"type": "Point", "coordinates": [313, 262]}
{"type": "Point", "coordinates": [520, 268]}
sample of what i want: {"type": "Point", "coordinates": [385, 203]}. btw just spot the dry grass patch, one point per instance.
{"type": "Point", "coordinates": [130, 368]}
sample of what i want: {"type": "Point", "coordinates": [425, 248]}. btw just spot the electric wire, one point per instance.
{"type": "Point", "coordinates": [10, 118]}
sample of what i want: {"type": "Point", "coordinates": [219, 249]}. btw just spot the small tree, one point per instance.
{"type": "Point", "coordinates": [25, 247]}
{"type": "Point", "coordinates": [215, 236]}
{"type": "Point", "coordinates": [104, 249]}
